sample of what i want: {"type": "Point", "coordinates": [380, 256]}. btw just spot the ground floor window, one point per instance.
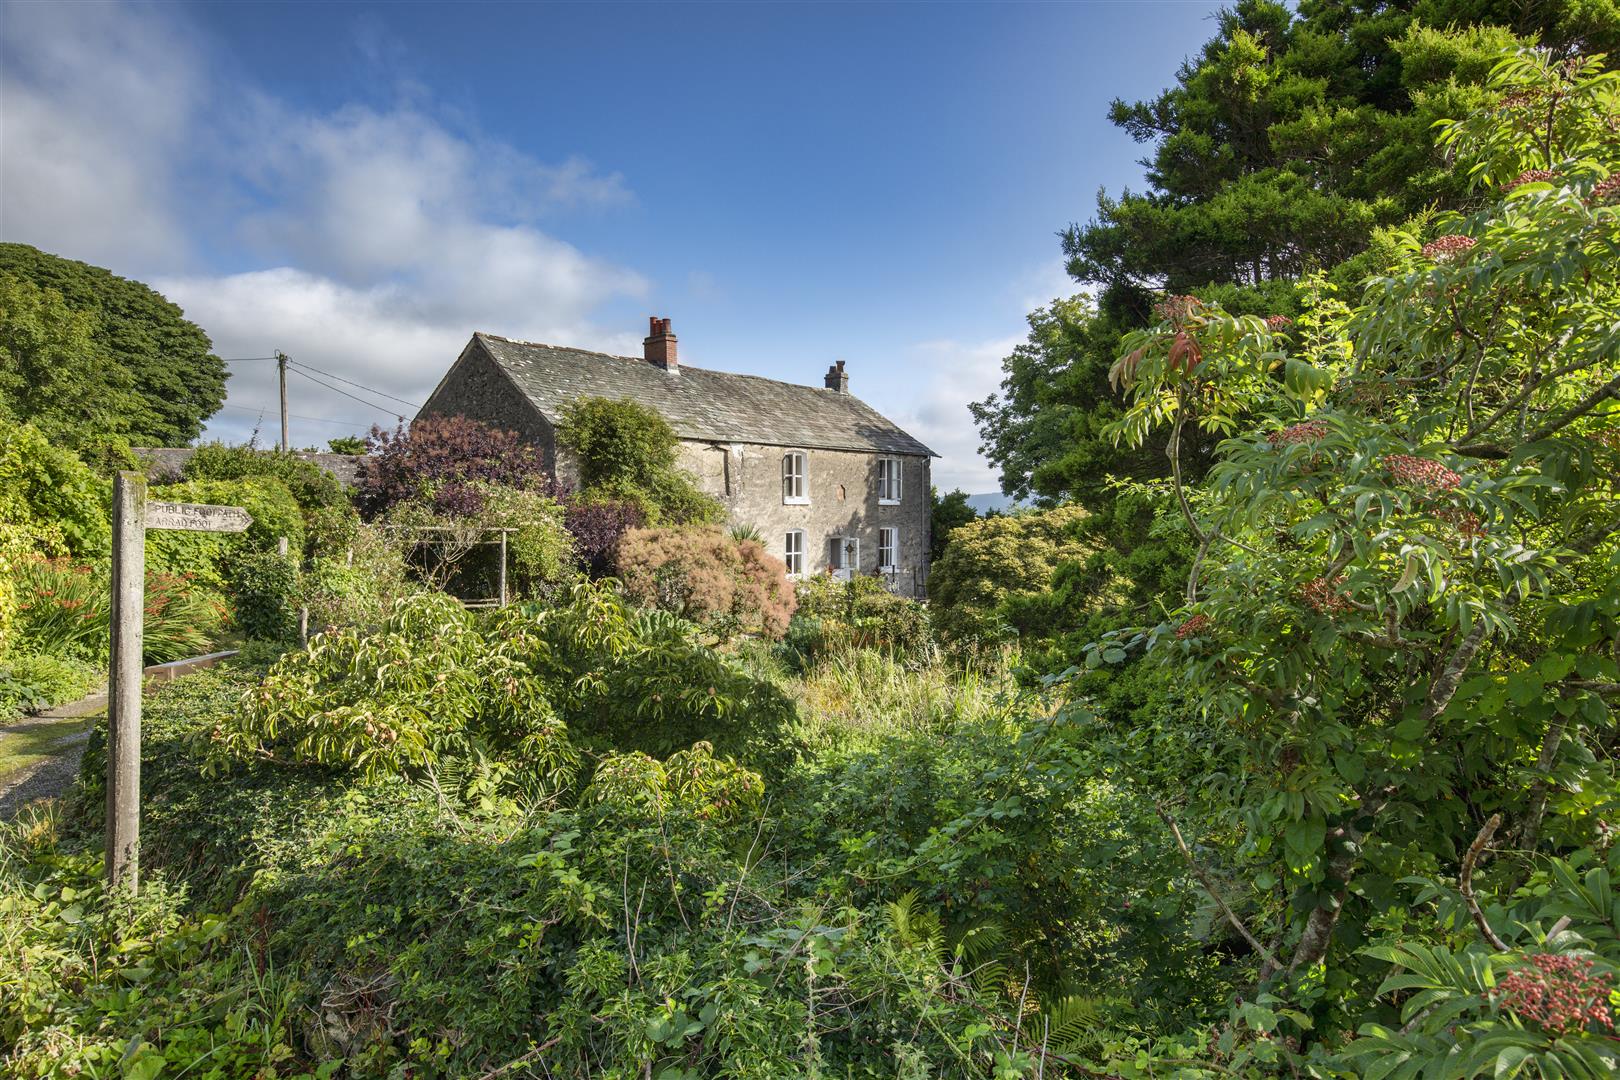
{"type": "Point", "coordinates": [793, 552]}
{"type": "Point", "coordinates": [889, 549]}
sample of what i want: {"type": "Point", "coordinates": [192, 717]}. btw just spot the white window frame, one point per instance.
{"type": "Point", "coordinates": [801, 475]}
{"type": "Point", "coordinates": [893, 548]}
{"type": "Point", "coordinates": [889, 490]}
{"type": "Point", "coordinates": [793, 554]}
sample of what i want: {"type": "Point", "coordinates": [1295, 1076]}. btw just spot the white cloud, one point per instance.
{"type": "Point", "coordinates": [388, 234]}
{"type": "Point", "coordinates": [1045, 283]}
{"type": "Point", "coordinates": [95, 109]}
{"type": "Point", "coordinates": [960, 372]}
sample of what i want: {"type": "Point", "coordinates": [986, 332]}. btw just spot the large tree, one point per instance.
{"type": "Point", "coordinates": [159, 364]}
{"type": "Point", "coordinates": [1402, 625]}
{"type": "Point", "coordinates": [1287, 144]}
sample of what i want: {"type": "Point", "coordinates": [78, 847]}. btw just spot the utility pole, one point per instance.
{"type": "Point", "coordinates": [281, 369]}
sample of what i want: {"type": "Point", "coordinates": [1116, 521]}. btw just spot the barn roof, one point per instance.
{"type": "Point", "coordinates": [710, 406]}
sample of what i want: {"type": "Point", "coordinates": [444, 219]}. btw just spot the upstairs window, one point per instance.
{"type": "Point", "coordinates": [793, 552]}
{"type": "Point", "coordinates": [888, 550]}
{"type": "Point", "coordinates": [888, 483]}
{"type": "Point", "coordinates": [794, 488]}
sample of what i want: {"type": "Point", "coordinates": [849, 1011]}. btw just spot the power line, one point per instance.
{"type": "Point", "coordinates": [265, 411]}
{"type": "Point", "coordinates": [245, 359]}
{"type": "Point", "coordinates": [345, 393]}
{"type": "Point", "coordinates": [351, 382]}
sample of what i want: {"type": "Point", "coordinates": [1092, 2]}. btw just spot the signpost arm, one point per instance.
{"type": "Point", "coordinates": [124, 678]}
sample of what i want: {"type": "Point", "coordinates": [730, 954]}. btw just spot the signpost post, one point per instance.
{"type": "Point", "coordinates": [132, 515]}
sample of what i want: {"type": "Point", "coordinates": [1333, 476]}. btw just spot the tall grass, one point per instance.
{"type": "Point", "coordinates": [860, 693]}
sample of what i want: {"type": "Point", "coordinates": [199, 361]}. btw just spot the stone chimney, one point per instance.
{"type": "Point", "coordinates": [837, 378]}
{"type": "Point", "coordinates": [660, 344]}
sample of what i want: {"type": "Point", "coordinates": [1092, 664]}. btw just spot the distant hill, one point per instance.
{"type": "Point", "coordinates": [992, 500]}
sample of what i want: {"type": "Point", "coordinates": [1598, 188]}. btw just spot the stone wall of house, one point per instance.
{"type": "Point", "coordinates": [478, 389]}
{"type": "Point", "coordinates": [843, 502]}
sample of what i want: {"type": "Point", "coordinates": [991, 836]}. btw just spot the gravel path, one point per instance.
{"type": "Point", "coordinates": [61, 733]}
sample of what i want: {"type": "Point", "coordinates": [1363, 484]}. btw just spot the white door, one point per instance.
{"type": "Point", "coordinates": [843, 556]}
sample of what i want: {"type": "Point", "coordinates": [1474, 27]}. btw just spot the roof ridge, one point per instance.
{"type": "Point", "coordinates": [699, 402]}
{"type": "Point", "coordinates": [683, 367]}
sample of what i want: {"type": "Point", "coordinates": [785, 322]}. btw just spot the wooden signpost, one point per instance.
{"type": "Point", "coordinates": [132, 515]}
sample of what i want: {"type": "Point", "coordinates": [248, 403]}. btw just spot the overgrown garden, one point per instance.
{"type": "Point", "coordinates": [1286, 749]}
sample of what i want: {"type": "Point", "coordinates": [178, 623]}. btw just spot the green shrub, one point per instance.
{"type": "Point", "coordinates": [528, 687]}
{"type": "Point", "coordinates": [992, 562]}
{"type": "Point", "coordinates": [429, 928]}
{"type": "Point", "coordinates": [357, 584]}
{"type": "Point", "coordinates": [312, 487]}
{"type": "Point", "coordinates": [30, 683]}
{"type": "Point", "coordinates": [264, 595]}
{"type": "Point", "coordinates": [836, 616]}
{"type": "Point", "coordinates": [627, 452]}
{"type": "Point", "coordinates": [703, 574]}
{"type": "Point", "coordinates": [424, 687]}
{"type": "Point", "coordinates": [207, 556]}
{"type": "Point", "coordinates": [540, 552]}
{"type": "Point", "coordinates": [92, 985]}
{"type": "Point", "coordinates": [50, 497]}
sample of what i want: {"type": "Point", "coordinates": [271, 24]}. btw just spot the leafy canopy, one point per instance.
{"type": "Point", "coordinates": [626, 452]}
{"type": "Point", "coordinates": [1404, 608]}
{"type": "Point", "coordinates": [153, 377]}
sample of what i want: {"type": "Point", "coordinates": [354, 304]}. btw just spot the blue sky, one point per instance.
{"type": "Point", "coordinates": [365, 185]}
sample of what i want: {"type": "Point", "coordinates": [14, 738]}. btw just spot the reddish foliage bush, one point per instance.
{"type": "Point", "coordinates": [597, 526]}
{"type": "Point", "coordinates": [705, 575]}
{"type": "Point", "coordinates": [443, 454]}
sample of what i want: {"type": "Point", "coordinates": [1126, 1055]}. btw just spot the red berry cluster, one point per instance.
{"type": "Point", "coordinates": [1557, 992]}
{"type": "Point", "coordinates": [1520, 98]}
{"type": "Point", "coordinates": [1194, 626]}
{"type": "Point", "coordinates": [1605, 191]}
{"type": "Point", "coordinates": [1278, 322]}
{"type": "Point", "coordinates": [1530, 176]}
{"type": "Point", "coordinates": [1442, 248]}
{"type": "Point", "coordinates": [1421, 472]}
{"type": "Point", "coordinates": [1309, 431]}
{"type": "Point", "coordinates": [1177, 308]}
{"type": "Point", "coordinates": [1468, 524]}
{"type": "Point", "coordinates": [1324, 596]}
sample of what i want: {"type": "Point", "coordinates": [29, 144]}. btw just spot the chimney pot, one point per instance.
{"type": "Point", "coordinates": [659, 345]}
{"type": "Point", "coordinates": [837, 378]}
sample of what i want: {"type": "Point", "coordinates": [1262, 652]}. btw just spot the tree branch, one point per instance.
{"type": "Point", "coordinates": [1591, 401]}
{"type": "Point", "coordinates": [1209, 886]}
{"type": "Point", "coordinates": [1465, 881]}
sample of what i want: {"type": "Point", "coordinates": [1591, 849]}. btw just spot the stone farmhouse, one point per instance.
{"type": "Point", "coordinates": [830, 484]}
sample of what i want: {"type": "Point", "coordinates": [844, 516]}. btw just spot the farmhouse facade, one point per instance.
{"type": "Point", "coordinates": [830, 484]}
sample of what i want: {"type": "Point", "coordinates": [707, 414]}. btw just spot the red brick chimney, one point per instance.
{"type": "Point", "coordinates": [837, 378]}
{"type": "Point", "coordinates": [660, 344]}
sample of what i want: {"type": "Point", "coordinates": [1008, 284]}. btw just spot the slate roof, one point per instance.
{"type": "Point", "coordinates": [711, 406]}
